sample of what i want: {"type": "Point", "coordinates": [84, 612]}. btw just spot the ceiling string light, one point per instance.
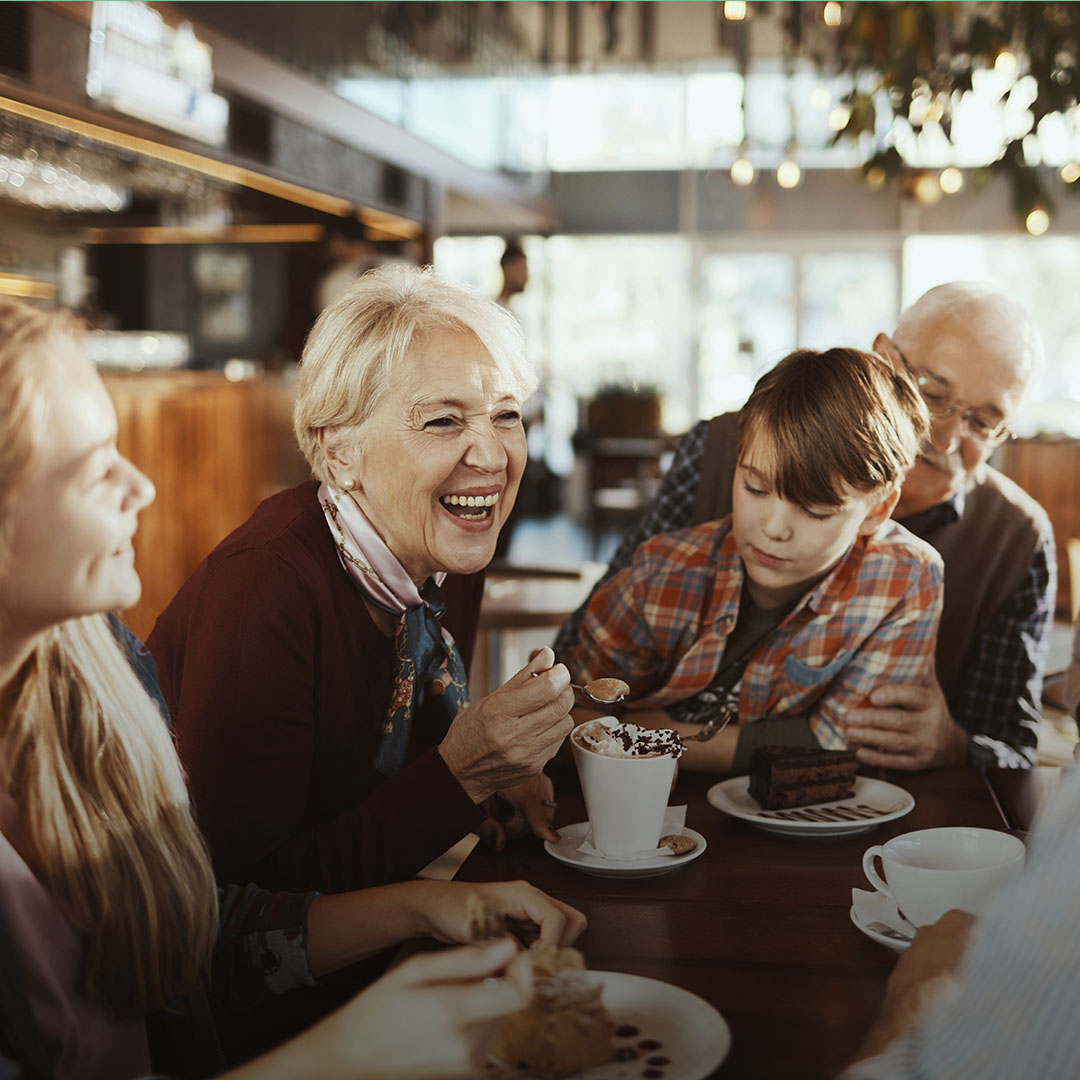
{"type": "Point", "coordinates": [951, 180]}
{"type": "Point", "coordinates": [742, 170]}
{"type": "Point", "coordinates": [1037, 221]}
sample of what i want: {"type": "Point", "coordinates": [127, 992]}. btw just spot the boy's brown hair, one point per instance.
{"type": "Point", "coordinates": [820, 421]}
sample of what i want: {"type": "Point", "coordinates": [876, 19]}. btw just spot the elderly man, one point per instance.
{"type": "Point", "coordinates": [973, 352]}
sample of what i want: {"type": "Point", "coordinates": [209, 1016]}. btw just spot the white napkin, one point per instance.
{"type": "Point", "coordinates": [674, 820]}
{"type": "Point", "coordinates": [877, 907]}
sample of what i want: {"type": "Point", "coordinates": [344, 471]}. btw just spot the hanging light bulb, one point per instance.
{"type": "Point", "coordinates": [1037, 221]}
{"type": "Point", "coordinates": [951, 180]}
{"type": "Point", "coordinates": [788, 173]}
{"type": "Point", "coordinates": [735, 10]}
{"type": "Point", "coordinates": [1070, 173]}
{"type": "Point", "coordinates": [742, 171]}
{"type": "Point", "coordinates": [820, 97]}
{"type": "Point", "coordinates": [1005, 62]}
{"type": "Point", "coordinates": [875, 177]}
{"type": "Point", "coordinates": [833, 13]}
{"type": "Point", "coordinates": [927, 189]}
{"type": "Point", "coordinates": [839, 117]}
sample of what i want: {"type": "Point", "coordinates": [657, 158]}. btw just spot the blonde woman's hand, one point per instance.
{"type": "Point", "coordinates": [503, 739]}
{"type": "Point", "coordinates": [444, 905]}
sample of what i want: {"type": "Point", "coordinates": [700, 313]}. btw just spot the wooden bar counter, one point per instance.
{"type": "Point", "coordinates": [214, 450]}
{"type": "Point", "coordinates": [758, 926]}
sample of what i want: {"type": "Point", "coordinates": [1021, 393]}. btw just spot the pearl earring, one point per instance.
{"type": "Point", "coordinates": [348, 485]}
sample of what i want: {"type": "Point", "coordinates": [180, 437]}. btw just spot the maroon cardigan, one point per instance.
{"type": "Point", "coordinates": [276, 678]}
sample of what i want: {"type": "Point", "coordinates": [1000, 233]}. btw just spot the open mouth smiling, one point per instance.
{"type": "Point", "coordinates": [470, 507]}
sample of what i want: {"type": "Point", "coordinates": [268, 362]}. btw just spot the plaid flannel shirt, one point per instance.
{"type": "Point", "coordinates": [662, 625]}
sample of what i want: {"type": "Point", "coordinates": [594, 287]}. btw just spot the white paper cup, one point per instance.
{"type": "Point", "coordinates": [625, 797]}
{"type": "Point", "coordinates": [932, 871]}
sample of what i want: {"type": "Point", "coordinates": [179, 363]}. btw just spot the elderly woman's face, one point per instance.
{"type": "Point", "coordinates": [441, 458]}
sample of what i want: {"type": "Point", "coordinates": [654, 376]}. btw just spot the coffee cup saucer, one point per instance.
{"type": "Point", "coordinates": [566, 851]}
{"type": "Point", "coordinates": [872, 931]}
{"type": "Point", "coordinates": [877, 917]}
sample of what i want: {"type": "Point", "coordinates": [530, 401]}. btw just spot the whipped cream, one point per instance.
{"type": "Point", "coordinates": [628, 740]}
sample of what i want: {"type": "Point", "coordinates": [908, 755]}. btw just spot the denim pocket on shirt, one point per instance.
{"type": "Point", "coordinates": [802, 674]}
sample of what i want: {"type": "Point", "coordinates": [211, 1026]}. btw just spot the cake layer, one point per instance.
{"type": "Point", "coordinates": [783, 777]}
{"type": "Point", "coordinates": [830, 791]}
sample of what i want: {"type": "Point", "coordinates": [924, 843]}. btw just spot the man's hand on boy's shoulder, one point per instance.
{"type": "Point", "coordinates": [905, 726]}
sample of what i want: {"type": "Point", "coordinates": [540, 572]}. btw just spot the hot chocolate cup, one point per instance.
{"type": "Point", "coordinates": [934, 870]}
{"type": "Point", "coordinates": [625, 797]}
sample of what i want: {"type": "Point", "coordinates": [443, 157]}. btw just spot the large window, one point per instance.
{"type": "Point", "coordinates": [700, 118]}
{"type": "Point", "coordinates": [639, 310]}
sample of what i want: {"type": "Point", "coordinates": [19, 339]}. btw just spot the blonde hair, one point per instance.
{"type": "Point", "coordinates": [86, 757]}
{"type": "Point", "coordinates": [823, 420]}
{"type": "Point", "coordinates": [360, 342]}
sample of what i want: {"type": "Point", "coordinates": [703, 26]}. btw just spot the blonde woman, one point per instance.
{"type": "Point", "coordinates": [108, 909]}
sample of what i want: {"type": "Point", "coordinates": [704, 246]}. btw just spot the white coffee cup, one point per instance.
{"type": "Point", "coordinates": [625, 797]}
{"type": "Point", "coordinates": [931, 871]}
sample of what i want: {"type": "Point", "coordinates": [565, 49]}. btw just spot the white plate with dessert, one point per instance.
{"type": "Point", "coordinates": [658, 1028]}
{"type": "Point", "coordinates": [871, 803]}
{"type": "Point", "coordinates": [571, 836]}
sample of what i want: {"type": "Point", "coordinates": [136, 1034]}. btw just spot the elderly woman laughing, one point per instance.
{"type": "Point", "coordinates": [315, 663]}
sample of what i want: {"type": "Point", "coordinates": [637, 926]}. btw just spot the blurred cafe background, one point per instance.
{"type": "Point", "coordinates": [695, 188]}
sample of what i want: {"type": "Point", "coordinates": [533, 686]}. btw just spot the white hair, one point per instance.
{"type": "Point", "coordinates": [359, 343]}
{"type": "Point", "coordinates": [998, 319]}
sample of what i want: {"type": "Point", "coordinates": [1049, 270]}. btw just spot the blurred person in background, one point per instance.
{"type": "Point", "coordinates": [350, 254]}
{"type": "Point", "coordinates": [515, 271]}
{"type": "Point", "coordinates": [540, 487]}
{"type": "Point", "coordinates": [973, 351]}
{"type": "Point", "coordinates": [109, 919]}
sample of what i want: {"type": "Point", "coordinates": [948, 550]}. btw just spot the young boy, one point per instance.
{"type": "Point", "coordinates": [793, 608]}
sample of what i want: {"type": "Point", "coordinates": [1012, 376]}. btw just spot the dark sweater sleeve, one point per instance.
{"type": "Point", "coordinates": [261, 947]}
{"type": "Point", "coordinates": [237, 660]}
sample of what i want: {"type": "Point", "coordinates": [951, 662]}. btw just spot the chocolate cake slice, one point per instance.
{"type": "Point", "coordinates": [785, 776]}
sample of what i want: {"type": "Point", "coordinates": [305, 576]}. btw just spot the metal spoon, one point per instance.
{"type": "Point", "coordinates": [713, 727]}
{"type": "Point", "coordinates": [603, 691]}
{"type": "Point", "coordinates": [887, 931]}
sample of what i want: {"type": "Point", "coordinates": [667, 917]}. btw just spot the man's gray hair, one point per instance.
{"type": "Point", "coordinates": [358, 345]}
{"type": "Point", "coordinates": [1002, 321]}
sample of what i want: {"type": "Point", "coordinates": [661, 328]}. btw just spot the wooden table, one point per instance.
{"type": "Point", "coordinates": [758, 925]}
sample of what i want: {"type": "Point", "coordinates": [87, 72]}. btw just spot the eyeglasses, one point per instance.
{"type": "Point", "coordinates": [983, 425]}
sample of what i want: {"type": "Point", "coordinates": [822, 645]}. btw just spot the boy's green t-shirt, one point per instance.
{"type": "Point", "coordinates": [753, 624]}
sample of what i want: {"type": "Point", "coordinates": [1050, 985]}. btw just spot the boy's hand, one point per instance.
{"type": "Point", "coordinates": [905, 726]}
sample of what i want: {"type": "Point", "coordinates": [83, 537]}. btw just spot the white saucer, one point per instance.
{"type": "Point", "coordinates": [733, 797]}
{"type": "Point", "coordinates": [572, 835]}
{"type": "Point", "coordinates": [692, 1035]}
{"type": "Point", "coordinates": [873, 935]}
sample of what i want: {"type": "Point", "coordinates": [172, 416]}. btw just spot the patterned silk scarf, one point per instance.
{"type": "Point", "coordinates": [426, 660]}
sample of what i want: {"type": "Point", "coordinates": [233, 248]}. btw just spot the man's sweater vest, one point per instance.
{"type": "Point", "coordinates": [987, 551]}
